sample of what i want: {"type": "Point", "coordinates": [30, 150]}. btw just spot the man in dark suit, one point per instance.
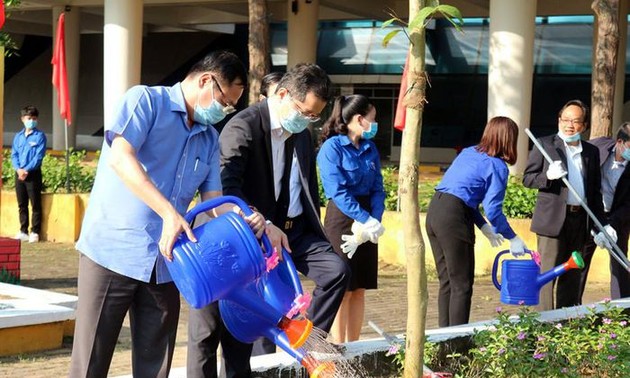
{"type": "Point", "coordinates": [614, 155]}
{"type": "Point", "coordinates": [267, 159]}
{"type": "Point", "coordinates": [562, 226]}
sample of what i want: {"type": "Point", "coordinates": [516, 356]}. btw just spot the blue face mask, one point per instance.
{"type": "Point", "coordinates": [30, 123]}
{"type": "Point", "coordinates": [569, 138]}
{"type": "Point", "coordinates": [213, 114]}
{"type": "Point", "coordinates": [295, 122]}
{"type": "Point", "coordinates": [626, 154]}
{"type": "Point", "coordinates": [369, 134]}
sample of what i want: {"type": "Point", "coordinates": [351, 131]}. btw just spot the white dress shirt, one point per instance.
{"type": "Point", "coordinates": [575, 170]}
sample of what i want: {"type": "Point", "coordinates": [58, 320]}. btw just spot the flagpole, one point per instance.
{"type": "Point", "coordinates": [65, 123]}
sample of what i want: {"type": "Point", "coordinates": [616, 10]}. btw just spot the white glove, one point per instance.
{"type": "Point", "coordinates": [517, 247]}
{"type": "Point", "coordinates": [602, 241]}
{"type": "Point", "coordinates": [373, 229]}
{"type": "Point", "coordinates": [494, 238]}
{"type": "Point", "coordinates": [351, 242]}
{"type": "Point", "coordinates": [555, 170]}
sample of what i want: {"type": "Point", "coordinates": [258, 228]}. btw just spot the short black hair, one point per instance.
{"type": "Point", "coordinates": [225, 64]}
{"type": "Point", "coordinates": [579, 104]}
{"type": "Point", "coordinates": [268, 80]}
{"type": "Point", "coordinates": [305, 78]}
{"type": "Point", "coordinates": [30, 111]}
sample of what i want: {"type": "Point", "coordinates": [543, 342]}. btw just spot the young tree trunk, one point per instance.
{"type": "Point", "coordinates": [258, 46]}
{"type": "Point", "coordinates": [413, 243]}
{"type": "Point", "coordinates": [605, 66]}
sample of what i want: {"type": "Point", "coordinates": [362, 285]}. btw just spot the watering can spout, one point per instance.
{"type": "Point", "coordinates": [574, 262]}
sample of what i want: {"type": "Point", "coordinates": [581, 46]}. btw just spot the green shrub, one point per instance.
{"type": "Point", "coordinates": [7, 277]}
{"type": "Point", "coordinates": [591, 345]}
{"type": "Point", "coordinates": [81, 175]}
{"type": "Point", "coordinates": [519, 201]}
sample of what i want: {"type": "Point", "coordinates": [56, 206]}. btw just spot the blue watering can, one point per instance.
{"type": "Point", "coordinates": [522, 280]}
{"type": "Point", "coordinates": [258, 296]}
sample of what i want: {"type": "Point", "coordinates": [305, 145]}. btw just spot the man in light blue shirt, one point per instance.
{"type": "Point", "coordinates": [159, 150]}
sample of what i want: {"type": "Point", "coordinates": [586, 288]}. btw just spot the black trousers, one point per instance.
{"type": "Point", "coordinates": [619, 277]}
{"type": "Point", "coordinates": [564, 291]}
{"type": "Point", "coordinates": [30, 189]}
{"type": "Point", "coordinates": [104, 299]}
{"type": "Point", "coordinates": [450, 228]}
{"type": "Point", "coordinates": [313, 257]}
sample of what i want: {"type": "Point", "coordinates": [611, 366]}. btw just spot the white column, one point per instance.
{"type": "Point", "coordinates": [511, 66]}
{"type": "Point", "coordinates": [302, 32]}
{"type": "Point", "coordinates": [72, 40]}
{"type": "Point", "coordinates": [122, 51]}
{"type": "Point", "coordinates": [620, 78]}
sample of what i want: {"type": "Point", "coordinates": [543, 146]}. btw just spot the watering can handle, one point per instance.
{"type": "Point", "coordinates": [218, 201]}
{"type": "Point", "coordinates": [495, 266]}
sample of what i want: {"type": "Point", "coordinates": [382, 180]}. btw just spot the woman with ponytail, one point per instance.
{"type": "Point", "coordinates": [350, 171]}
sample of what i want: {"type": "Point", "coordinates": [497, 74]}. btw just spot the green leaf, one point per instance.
{"type": "Point", "coordinates": [387, 23]}
{"type": "Point", "coordinates": [450, 12]}
{"type": "Point", "coordinates": [421, 17]}
{"type": "Point", "coordinates": [389, 36]}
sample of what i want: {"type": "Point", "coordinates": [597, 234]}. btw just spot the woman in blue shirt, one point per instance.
{"type": "Point", "coordinates": [350, 171]}
{"type": "Point", "coordinates": [477, 176]}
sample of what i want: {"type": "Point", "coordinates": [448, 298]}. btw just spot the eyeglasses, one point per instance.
{"type": "Point", "coordinates": [227, 108]}
{"type": "Point", "coordinates": [310, 117]}
{"type": "Point", "coordinates": [572, 121]}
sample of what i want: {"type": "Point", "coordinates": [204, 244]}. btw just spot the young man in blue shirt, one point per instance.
{"type": "Point", "coordinates": [160, 149]}
{"type": "Point", "coordinates": [27, 154]}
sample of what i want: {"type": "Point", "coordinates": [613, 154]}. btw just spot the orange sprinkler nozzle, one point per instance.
{"type": "Point", "coordinates": [575, 261]}
{"type": "Point", "coordinates": [324, 370]}
{"type": "Point", "coordinates": [318, 369]}
{"type": "Point", "coordinates": [297, 330]}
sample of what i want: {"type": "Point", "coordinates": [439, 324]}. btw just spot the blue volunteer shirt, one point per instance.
{"type": "Point", "coordinates": [120, 232]}
{"type": "Point", "coordinates": [347, 172]}
{"type": "Point", "coordinates": [27, 151]}
{"type": "Point", "coordinates": [476, 178]}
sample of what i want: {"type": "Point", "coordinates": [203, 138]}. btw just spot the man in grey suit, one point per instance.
{"type": "Point", "coordinates": [562, 226]}
{"type": "Point", "coordinates": [614, 155]}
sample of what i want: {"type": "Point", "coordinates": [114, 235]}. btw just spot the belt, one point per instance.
{"type": "Point", "coordinates": [574, 208]}
{"type": "Point", "coordinates": [292, 222]}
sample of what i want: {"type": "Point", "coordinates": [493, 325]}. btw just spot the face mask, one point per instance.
{"type": "Point", "coordinates": [295, 123]}
{"type": "Point", "coordinates": [30, 123]}
{"type": "Point", "coordinates": [626, 154]}
{"type": "Point", "coordinates": [369, 134]}
{"type": "Point", "coordinates": [569, 138]}
{"type": "Point", "coordinates": [213, 114]}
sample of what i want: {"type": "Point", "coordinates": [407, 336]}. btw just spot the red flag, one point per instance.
{"type": "Point", "coordinates": [401, 111]}
{"type": "Point", "coordinates": [60, 75]}
{"type": "Point", "coordinates": [2, 16]}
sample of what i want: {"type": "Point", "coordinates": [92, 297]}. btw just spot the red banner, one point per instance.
{"type": "Point", "coordinates": [401, 111]}
{"type": "Point", "coordinates": [60, 74]}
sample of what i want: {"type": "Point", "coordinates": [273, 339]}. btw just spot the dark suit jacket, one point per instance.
{"type": "Point", "coordinates": [619, 216]}
{"type": "Point", "coordinates": [247, 165]}
{"type": "Point", "coordinates": [550, 211]}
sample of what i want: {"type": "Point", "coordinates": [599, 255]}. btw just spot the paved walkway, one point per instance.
{"type": "Point", "coordinates": [54, 267]}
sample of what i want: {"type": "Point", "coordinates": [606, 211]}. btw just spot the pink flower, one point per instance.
{"type": "Point", "coordinates": [612, 358]}
{"type": "Point", "coordinates": [498, 309]}
{"type": "Point", "coordinates": [623, 323]}
{"type": "Point", "coordinates": [606, 300]}
{"type": "Point", "coordinates": [613, 335]}
{"type": "Point", "coordinates": [539, 356]}
{"type": "Point", "coordinates": [558, 326]}
{"type": "Point", "coordinates": [393, 349]}
{"type": "Point", "coordinates": [607, 321]}
{"type": "Point", "coordinates": [521, 303]}
{"type": "Point", "coordinates": [521, 335]}
{"type": "Point", "coordinates": [536, 257]}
